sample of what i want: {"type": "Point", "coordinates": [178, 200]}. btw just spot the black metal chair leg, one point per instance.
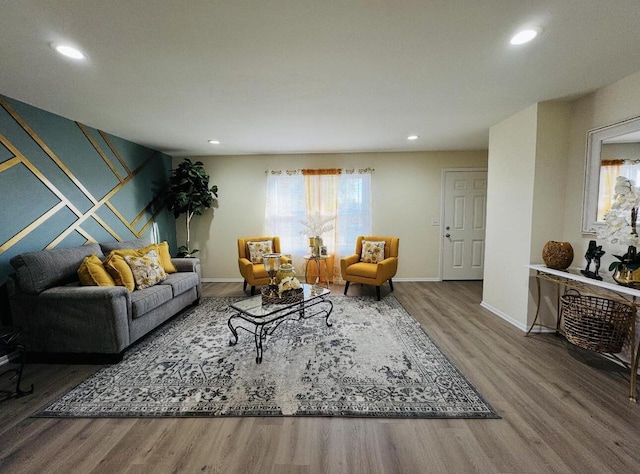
{"type": "Point", "coordinates": [244, 287]}
{"type": "Point", "coordinates": [378, 293]}
{"type": "Point", "coordinates": [346, 287]}
{"type": "Point", "coordinates": [390, 284]}
{"type": "Point", "coordinates": [253, 290]}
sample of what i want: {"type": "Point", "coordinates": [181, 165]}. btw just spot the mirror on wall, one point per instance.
{"type": "Point", "coordinates": [612, 151]}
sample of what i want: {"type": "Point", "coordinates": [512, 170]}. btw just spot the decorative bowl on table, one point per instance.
{"type": "Point", "coordinates": [288, 297]}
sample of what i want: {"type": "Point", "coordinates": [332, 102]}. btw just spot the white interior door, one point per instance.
{"type": "Point", "coordinates": [463, 225]}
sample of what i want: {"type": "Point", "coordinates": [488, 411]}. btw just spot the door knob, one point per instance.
{"type": "Point", "coordinates": [448, 228]}
{"type": "Point", "coordinates": [447, 235]}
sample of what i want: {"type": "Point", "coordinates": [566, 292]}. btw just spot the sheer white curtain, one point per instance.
{"type": "Point", "coordinates": [295, 196]}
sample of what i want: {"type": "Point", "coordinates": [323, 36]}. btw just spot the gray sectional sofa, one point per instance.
{"type": "Point", "coordinates": [59, 316]}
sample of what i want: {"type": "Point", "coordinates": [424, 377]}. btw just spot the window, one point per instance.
{"type": "Point", "coordinates": [294, 197]}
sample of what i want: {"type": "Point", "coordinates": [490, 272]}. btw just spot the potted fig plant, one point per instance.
{"type": "Point", "coordinates": [188, 192]}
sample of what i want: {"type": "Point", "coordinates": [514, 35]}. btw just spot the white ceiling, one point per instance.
{"type": "Point", "coordinates": [309, 76]}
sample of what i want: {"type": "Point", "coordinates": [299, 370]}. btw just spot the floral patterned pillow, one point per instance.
{"type": "Point", "coordinates": [146, 270]}
{"type": "Point", "coordinates": [372, 252]}
{"type": "Point", "coordinates": [258, 249]}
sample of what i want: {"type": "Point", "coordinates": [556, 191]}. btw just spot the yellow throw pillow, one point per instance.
{"type": "Point", "coordinates": [146, 270]}
{"type": "Point", "coordinates": [119, 270]}
{"type": "Point", "coordinates": [372, 252]}
{"type": "Point", "coordinates": [165, 257]}
{"type": "Point", "coordinates": [162, 252]}
{"type": "Point", "coordinates": [93, 273]}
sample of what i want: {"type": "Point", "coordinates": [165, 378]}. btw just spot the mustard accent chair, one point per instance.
{"type": "Point", "coordinates": [255, 274]}
{"type": "Point", "coordinates": [353, 270]}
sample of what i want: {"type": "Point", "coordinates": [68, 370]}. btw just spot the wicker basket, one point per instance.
{"type": "Point", "coordinates": [295, 298]}
{"type": "Point", "coordinates": [595, 323]}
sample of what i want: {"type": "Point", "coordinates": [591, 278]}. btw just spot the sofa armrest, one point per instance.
{"type": "Point", "coordinates": [74, 319]}
{"type": "Point", "coordinates": [190, 265]}
{"type": "Point", "coordinates": [387, 268]}
{"type": "Point", "coordinates": [186, 264]}
{"type": "Point", "coordinates": [348, 260]}
{"type": "Point", "coordinates": [245, 266]}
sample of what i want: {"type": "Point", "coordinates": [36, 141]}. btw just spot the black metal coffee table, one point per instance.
{"type": "Point", "coordinates": [265, 319]}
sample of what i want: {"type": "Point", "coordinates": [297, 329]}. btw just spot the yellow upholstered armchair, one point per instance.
{"type": "Point", "coordinates": [375, 261]}
{"type": "Point", "coordinates": [250, 252]}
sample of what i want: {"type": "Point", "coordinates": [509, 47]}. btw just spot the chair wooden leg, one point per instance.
{"type": "Point", "coordinates": [346, 287]}
{"type": "Point", "coordinates": [253, 290]}
{"type": "Point", "coordinates": [378, 293]}
{"type": "Point", "coordinates": [390, 284]}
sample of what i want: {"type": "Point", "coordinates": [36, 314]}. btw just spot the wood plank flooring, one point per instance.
{"type": "Point", "coordinates": [563, 410]}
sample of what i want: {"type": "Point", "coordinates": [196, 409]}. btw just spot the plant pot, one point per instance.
{"type": "Point", "coordinates": [557, 255]}
{"type": "Point", "coordinates": [625, 277]}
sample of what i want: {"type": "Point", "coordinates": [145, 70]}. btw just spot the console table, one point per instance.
{"type": "Point", "coordinates": [606, 288]}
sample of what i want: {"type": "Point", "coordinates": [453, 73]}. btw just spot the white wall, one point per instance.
{"type": "Point", "coordinates": [535, 193]}
{"type": "Point", "coordinates": [614, 103]}
{"type": "Point", "coordinates": [512, 153]}
{"type": "Point", "coordinates": [406, 195]}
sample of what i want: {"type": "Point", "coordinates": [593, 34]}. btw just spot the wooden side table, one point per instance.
{"type": "Point", "coordinates": [320, 260]}
{"type": "Point", "coordinates": [12, 352]}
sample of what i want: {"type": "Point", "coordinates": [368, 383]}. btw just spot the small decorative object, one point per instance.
{"type": "Point", "coordinates": [286, 270]}
{"type": "Point", "coordinates": [272, 265]}
{"type": "Point", "coordinates": [317, 244]}
{"type": "Point", "coordinates": [286, 289]}
{"type": "Point", "coordinates": [594, 253]}
{"type": "Point", "coordinates": [323, 251]}
{"type": "Point", "coordinates": [620, 227]}
{"type": "Point", "coordinates": [314, 226]}
{"type": "Point", "coordinates": [557, 255]}
{"type": "Point", "coordinates": [626, 271]}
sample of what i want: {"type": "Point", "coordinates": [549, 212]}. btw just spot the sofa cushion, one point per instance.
{"type": "Point", "coordinates": [143, 301]}
{"type": "Point", "coordinates": [146, 270]}
{"type": "Point", "coordinates": [107, 247]}
{"type": "Point", "coordinates": [38, 271]}
{"type": "Point", "coordinates": [93, 273]}
{"type": "Point", "coordinates": [181, 282]}
{"type": "Point", "coordinates": [364, 270]}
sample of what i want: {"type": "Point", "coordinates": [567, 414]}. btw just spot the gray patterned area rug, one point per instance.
{"type": "Point", "coordinates": [374, 361]}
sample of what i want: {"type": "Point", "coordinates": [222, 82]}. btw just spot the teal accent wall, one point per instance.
{"type": "Point", "coordinates": [64, 184]}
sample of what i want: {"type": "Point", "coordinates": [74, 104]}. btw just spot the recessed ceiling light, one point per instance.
{"type": "Point", "coordinates": [214, 142]}
{"type": "Point", "coordinates": [413, 137]}
{"type": "Point", "coordinates": [525, 36]}
{"type": "Point", "coordinates": [68, 51]}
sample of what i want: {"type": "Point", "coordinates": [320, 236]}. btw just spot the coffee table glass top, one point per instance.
{"type": "Point", "coordinates": [253, 306]}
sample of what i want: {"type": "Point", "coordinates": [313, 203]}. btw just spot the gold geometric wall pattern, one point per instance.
{"type": "Point", "coordinates": [137, 225]}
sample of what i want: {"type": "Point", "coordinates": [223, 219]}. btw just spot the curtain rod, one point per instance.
{"type": "Point", "coordinates": [302, 171]}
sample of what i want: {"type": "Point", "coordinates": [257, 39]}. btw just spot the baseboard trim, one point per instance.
{"type": "Point", "coordinates": [222, 280]}
{"type": "Point", "coordinates": [417, 279]}
{"type": "Point", "coordinates": [505, 316]}
{"type": "Point", "coordinates": [240, 280]}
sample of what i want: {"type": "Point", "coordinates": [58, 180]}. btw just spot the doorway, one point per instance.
{"type": "Point", "coordinates": [464, 208]}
